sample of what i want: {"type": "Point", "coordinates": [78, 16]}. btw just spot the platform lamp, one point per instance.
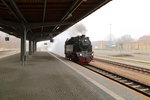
{"type": "Point", "coordinates": [7, 37]}
{"type": "Point", "coordinates": [51, 40]}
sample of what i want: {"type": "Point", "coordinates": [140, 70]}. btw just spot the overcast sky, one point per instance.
{"type": "Point", "coordinates": [125, 16]}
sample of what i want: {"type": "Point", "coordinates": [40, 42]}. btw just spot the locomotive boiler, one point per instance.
{"type": "Point", "coordinates": [79, 49]}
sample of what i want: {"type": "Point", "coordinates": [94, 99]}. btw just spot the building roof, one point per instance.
{"type": "Point", "coordinates": [145, 39]}
{"type": "Point", "coordinates": [44, 19]}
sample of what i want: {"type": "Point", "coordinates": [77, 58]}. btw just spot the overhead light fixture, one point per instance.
{"type": "Point", "coordinates": [57, 27]}
{"type": "Point", "coordinates": [70, 15]}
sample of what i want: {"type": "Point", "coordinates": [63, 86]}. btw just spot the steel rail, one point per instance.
{"type": "Point", "coordinates": [127, 66]}
{"type": "Point", "coordinates": [133, 84]}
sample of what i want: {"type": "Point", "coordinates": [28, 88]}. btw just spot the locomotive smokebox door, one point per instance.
{"type": "Point", "coordinates": [6, 38]}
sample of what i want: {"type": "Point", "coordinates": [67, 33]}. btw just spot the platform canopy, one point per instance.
{"type": "Point", "coordinates": [44, 19]}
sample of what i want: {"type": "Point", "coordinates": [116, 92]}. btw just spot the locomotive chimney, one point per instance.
{"type": "Point", "coordinates": [83, 36]}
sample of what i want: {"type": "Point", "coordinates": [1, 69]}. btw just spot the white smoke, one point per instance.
{"type": "Point", "coordinates": [80, 28]}
{"type": "Point", "coordinates": [59, 41]}
{"type": "Point", "coordinates": [58, 45]}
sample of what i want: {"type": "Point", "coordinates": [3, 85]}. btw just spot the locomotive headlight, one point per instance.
{"type": "Point", "coordinates": [80, 54]}
{"type": "Point", "coordinates": [92, 54]}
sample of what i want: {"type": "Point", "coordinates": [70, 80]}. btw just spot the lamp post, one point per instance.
{"type": "Point", "coordinates": [110, 38]}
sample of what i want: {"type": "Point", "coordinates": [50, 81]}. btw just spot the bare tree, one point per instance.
{"type": "Point", "coordinates": [125, 39]}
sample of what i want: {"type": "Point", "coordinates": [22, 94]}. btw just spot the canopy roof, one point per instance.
{"type": "Point", "coordinates": [44, 19]}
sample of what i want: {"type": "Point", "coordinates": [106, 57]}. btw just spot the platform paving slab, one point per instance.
{"type": "Point", "coordinates": [44, 78]}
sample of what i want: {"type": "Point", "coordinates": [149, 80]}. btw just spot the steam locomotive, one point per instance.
{"type": "Point", "coordinates": [79, 49]}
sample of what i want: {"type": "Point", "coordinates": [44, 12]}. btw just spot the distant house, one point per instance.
{"type": "Point", "coordinates": [145, 39]}
{"type": "Point", "coordinates": [99, 44]}
{"type": "Point", "coordinates": [130, 46]}
{"type": "Point", "coordinates": [143, 43]}
{"type": "Point", "coordinates": [102, 45]}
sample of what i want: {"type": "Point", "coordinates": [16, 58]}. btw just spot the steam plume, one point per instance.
{"type": "Point", "coordinates": [80, 28]}
{"type": "Point", "coordinates": [59, 41]}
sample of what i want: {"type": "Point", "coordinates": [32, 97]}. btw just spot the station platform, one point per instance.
{"type": "Point", "coordinates": [46, 76]}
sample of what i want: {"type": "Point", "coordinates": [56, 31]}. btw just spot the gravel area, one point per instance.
{"type": "Point", "coordinates": [140, 77]}
{"type": "Point", "coordinates": [136, 58]}
{"type": "Point", "coordinates": [139, 55]}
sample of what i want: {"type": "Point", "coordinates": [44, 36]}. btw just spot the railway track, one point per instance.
{"type": "Point", "coordinates": [133, 84]}
{"type": "Point", "coordinates": [127, 66]}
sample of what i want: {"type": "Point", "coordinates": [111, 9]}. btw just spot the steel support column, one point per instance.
{"type": "Point", "coordinates": [23, 46]}
{"type": "Point", "coordinates": [34, 46]}
{"type": "Point", "coordinates": [21, 49]}
{"type": "Point", "coordinates": [30, 47]}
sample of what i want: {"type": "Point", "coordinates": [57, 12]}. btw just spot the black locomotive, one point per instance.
{"type": "Point", "coordinates": [79, 49]}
